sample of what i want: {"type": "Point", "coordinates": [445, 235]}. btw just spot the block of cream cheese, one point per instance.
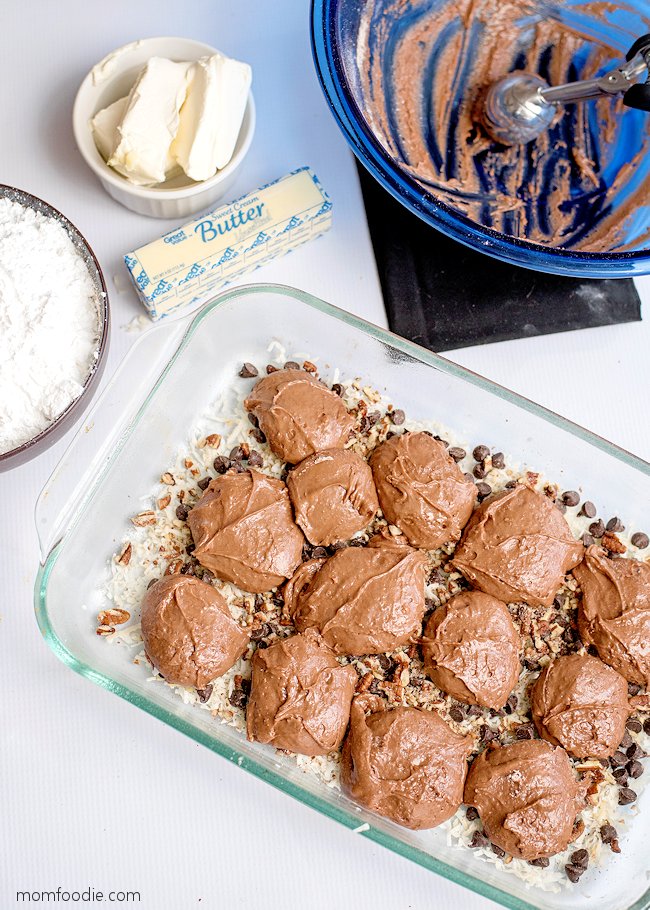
{"type": "Point", "coordinates": [212, 115]}
{"type": "Point", "coordinates": [104, 126]}
{"type": "Point", "coordinates": [150, 122]}
{"type": "Point", "coordinates": [186, 266]}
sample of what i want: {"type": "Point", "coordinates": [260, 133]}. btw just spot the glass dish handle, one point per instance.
{"type": "Point", "coordinates": [102, 428]}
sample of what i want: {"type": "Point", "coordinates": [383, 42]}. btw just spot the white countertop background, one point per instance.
{"type": "Point", "coordinates": [93, 792]}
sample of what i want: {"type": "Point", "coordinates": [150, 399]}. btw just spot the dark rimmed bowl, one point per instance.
{"type": "Point", "coordinates": [62, 423]}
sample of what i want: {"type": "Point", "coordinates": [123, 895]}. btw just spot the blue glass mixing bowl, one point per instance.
{"type": "Point", "coordinates": [347, 32]}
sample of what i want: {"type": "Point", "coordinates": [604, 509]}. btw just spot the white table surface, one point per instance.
{"type": "Point", "coordinates": [93, 792]}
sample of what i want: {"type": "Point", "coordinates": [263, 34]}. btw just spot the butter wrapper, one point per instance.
{"type": "Point", "coordinates": [186, 266]}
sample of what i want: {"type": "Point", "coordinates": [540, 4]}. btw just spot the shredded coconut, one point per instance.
{"type": "Point", "coordinates": [49, 322]}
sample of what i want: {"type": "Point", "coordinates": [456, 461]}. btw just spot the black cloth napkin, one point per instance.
{"type": "Point", "coordinates": [444, 295]}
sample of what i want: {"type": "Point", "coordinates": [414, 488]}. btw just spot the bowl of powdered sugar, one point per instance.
{"type": "Point", "coordinates": [54, 322]}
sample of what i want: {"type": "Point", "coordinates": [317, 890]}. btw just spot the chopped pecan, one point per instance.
{"type": "Point", "coordinates": [105, 630]}
{"type": "Point", "coordinates": [168, 479]}
{"type": "Point", "coordinates": [309, 366]}
{"type": "Point", "coordinates": [164, 501]}
{"type": "Point", "coordinates": [174, 566]}
{"type": "Point", "coordinates": [612, 543]}
{"type": "Point", "coordinates": [125, 556]}
{"type": "Point", "coordinates": [113, 617]}
{"type": "Point", "coordinates": [144, 518]}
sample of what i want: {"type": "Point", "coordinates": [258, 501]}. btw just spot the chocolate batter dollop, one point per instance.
{"type": "Point", "coordinates": [422, 490]}
{"type": "Point", "coordinates": [189, 635]}
{"type": "Point", "coordinates": [518, 547]}
{"type": "Point", "coordinates": [581, 704]}
{"type": "Point", "coordinates": [527, 797]}
{"type": "Point", "coordinates": [363, 600]}
{"type": "Point", "coordinates": [403, 763]}
{"type": "Point", "coordinates": [471, 650]}
{"type": "Point", "coordinates": [300, 696]}
{"type": "Point", "coordinates": [298, 414]}
{"type": "Point", "coordinates": [333, 495]}
{"type": "Point", "coordinates": [614, 615]}
{"type": "Point", "coordinates": [244, 531]}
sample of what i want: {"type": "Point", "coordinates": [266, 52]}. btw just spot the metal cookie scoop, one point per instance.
{"type": "Point", "coordinates": [519, 107]}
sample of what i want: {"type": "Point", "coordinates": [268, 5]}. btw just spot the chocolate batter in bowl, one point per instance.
{"type": "Point", "coordinates": [406, 78]}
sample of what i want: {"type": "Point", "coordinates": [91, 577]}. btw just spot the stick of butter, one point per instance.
{"type": "Point", "coordinates": [187, 265]}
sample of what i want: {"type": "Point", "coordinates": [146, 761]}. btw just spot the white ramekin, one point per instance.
{"type": "Point", "coordinates": [111, 79]}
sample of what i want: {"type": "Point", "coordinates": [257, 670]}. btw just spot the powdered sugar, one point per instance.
{"type": "Point", "coordinates": [49, 322]}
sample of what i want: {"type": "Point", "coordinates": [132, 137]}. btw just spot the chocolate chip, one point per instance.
{"type": "Point", "coordinates": [542, 861]}
{"type": "Point", "coordinates": [456, 713]}
{"type": "Point", "coordinates": [457, 453]}
{"type": "Point", "coordinates": [207, 575]}
{"type": "Point", "coordinates": [187, 569]}
{"type": "Point", "coordinates": [532, 665]}
{"type": "Point", "coordinates": [291, 365]}
{"type": "Point", "coordinates": [258, 435]}
{"type": "Point", "coordinates": [646, 726]}
{"type": "Point", "coordinates": [271, 369]}
{"type": "Point", "coordinates": [255, 460]}
{"type": "Point", "coordinates": [319, 553]}
{"type": "Point", "coordinates": [498, 850]}
{"type": "Point", "coordinates": [607, 833]}
{"type": "Point", "coordinates": [524, 731]}
{"type": "Point", "coordinates": [248, 371]}
{"type": "Point", "coordinates": [573, 873]}
{"type": "Point", "coordinates": [635, 751]}
{"type": "Point", "coordinates": [479, 470]}
{"type": "Point", "coordinates": [498, 460]}
{"type": "Point", "coordinates": [640, 540]}
{"type": "Point", "coordinates": [615, 524]}
{"type": "Point", "coordinates": [588, 509]}
{"type": "Point", "coordinates": [580, 858]}
{"type": "Point", "coordinates": [626, 742]}
{"type": "Point", "coordinates": [337, 388]}
{"type": "Point", "coordinates": [571, 498]}
{"type": "Point", "coordinates": [253, 419]}
{"type": "Point", "coordinates": [620, 776]}
{"type": "Point", "coordinates": [182, 512]}
{"type": "Point", "coordinates": [471, 814]}
{"type": "Point", "coordinates": [587, 540]}
{"type": "Point", "coordinates": [634, 769]}
{"type": "Point", "coordinates": [468, 476]}
{"type": "Point", "coordinates": [238, 698]}
{"type": "Point", "coordinates": [511, 704]}
{"type": "Point", "coordinates": [152, 582]}
{"type": "Point", "coordinates": [597, 528]}
{"type": "Point", "coordinates": [480, 453]}
{"type": "Point", "coordinates": [618, 759]}
{"type": "Point", "coordinates": [486, 734]}
{"type": "Point", "coordinates": [473, 711]}
{"type": "Point", "coordinates": [384, 662]}
{"type": "Point", "coordinates": [237, 453]}
{"type": "Point", "coordinates": [205, 693]}
{"type": "Point", "coordinates": [221, 464]}
{"type": "Point", "coordinates": [440, 439]}
{"type": "Point", "coordinates": [560, 506]}
{"type": "Point", "coordinates": [397, 417]}
{"type": "Point", "coordinates": [483, 490]}
{"type": "Point", "coordinates": [633, 689]}
{"type": "Point", "coordinates": [626, 796]}
{"type": "Point", "coordinates": [190, 548]}
{"type": "Point", "coordinates": [203, 483]}
{"type": "Point", "coordinates": [634, 725]}
{"type": "Point", "coordinates": [511, 485]}
{"type": "Point", "coordinates": [479, 840]}
{"type": "Point", "coordinates": [261, 632]}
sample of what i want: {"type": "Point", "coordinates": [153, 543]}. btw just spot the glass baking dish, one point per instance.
{"type": "Point", "coordinates": [170, 377]}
